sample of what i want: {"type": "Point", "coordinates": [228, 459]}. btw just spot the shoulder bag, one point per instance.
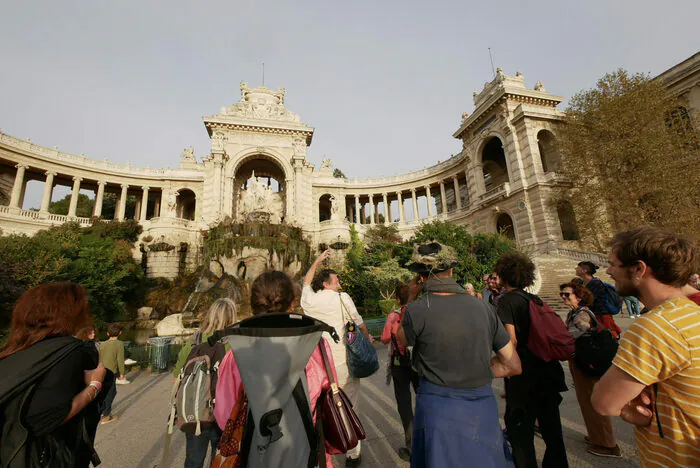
{"type": "Point", "coordinates": [342, 429]}
{"type": "Point", "coordinates": [362, 357]}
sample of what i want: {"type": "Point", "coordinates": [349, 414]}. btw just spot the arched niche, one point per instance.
{"type": "Point", "coordinates": [549, 154]}
{"type": "Point", "coordinates": [259, 185]}
{"type": "Point", "coordinates": [567, 220]}
{"type": "Point", "coordinates": [504, 226]}
{"type": "Point", "coordinates": [324, 207]}
{"type": "Point", "coordinates": [186, 204]}
{"type": "Point", "coordinates": [495, 169]}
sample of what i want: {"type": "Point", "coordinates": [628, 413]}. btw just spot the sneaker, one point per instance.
{"type": "Point", "coordinates": [109, 418]}
{"type": "Point", "coordinates": [600, 451]}
{"type": "Point", "coordinates": [404, 454]}
{"type": "Point", "coordinates": [129, 362]}
{"type": "Point", "coordinates": [353, 462]}
{"type": "Point", "coordinates": [122, 382]}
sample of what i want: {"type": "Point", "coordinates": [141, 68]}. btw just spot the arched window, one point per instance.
{"type": "Point", "coordinates": [567, 220]}
{"type": "Point", "coordinates": [504, 226]}
{"type": "Point", "coordinates": [324, 208]}
{"type": "Point", "coordinates": [494, 164]}
{"type": "Point", "coordinates": [548, 151]}
{"type": "Point", "coordinates": [186, 204]}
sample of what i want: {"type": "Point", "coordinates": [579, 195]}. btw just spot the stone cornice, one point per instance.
{"type": "Point", "coordinates": [54, 158]}
{"type": "Point", "coordinates": [269, 127]}
{"type": "Point", "coordinates": [679, 78]}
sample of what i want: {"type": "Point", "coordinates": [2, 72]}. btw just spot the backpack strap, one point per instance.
{"type": "Point", "coordinates": [656, 409]}
{"type": "Point", "coordinates": [302, 402]}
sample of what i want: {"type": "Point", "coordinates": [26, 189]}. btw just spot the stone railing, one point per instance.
{"type": "Point", "coordinates": [173, 221]}
{"type": "Point", "coordinates": [45, 218]}
{"type": "Point", "coordinates": [502, 190]}
{"type": "Point", "coordinates": [408, 177]}
{"type": "Point", "coordinates": [583, 256]}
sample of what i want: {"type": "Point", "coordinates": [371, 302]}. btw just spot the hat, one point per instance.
{"type": "Point", "coordinates": [432, 257]}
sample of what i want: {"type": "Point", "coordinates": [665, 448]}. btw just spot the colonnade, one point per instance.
{"type": "Point", "coordinates": [355, 204]}
{"type": "Point", "coordinates": [100, 186]}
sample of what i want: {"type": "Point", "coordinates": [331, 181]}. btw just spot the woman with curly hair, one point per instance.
{"type": "Point", "coordinates": [580, 320]}
{"type": "Point", "coordinates": [533, 395]}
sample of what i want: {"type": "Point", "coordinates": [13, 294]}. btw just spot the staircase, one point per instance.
{"type": "Point", "coordinates": [555, 270]}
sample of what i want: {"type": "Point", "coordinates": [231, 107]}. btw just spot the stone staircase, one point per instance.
{"type": "Point", "coordinates": [554, 270]}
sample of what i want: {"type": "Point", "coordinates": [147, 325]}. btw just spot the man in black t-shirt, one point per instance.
{"type": "Point", "coordinates": [454, 336]}
{"type": "Point", "coordinates": [534, 394]}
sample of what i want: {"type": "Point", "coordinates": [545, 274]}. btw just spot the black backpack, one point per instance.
{"type": "Point", "coordinates": [21, 373]}
{"type": "Point", "coordinates": [595, 350]}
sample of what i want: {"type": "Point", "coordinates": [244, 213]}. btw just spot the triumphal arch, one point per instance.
{"type": "Point", "coordinates": [504, 179]}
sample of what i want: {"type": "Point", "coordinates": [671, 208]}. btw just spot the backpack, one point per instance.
{"type": "Point", "coordinates": [595, 350]}
{"type": "Point", "coordinates": [193, 397]}
{"type": "Point", "coordinates": [549, 339]}
{"type": "Point", "coordinates": [613, 302]}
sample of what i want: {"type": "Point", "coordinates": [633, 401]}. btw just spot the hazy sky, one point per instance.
{"type": "Point", "coordinates": [383, 83]}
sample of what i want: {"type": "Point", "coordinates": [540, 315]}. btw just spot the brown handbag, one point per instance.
{"type": "Point", "coordinates": [342, 428]}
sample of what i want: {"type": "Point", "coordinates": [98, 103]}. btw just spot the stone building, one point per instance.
{"type": "Point", "coordinates": [504, 179]}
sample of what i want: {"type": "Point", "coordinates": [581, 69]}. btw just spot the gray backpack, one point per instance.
{"type": "Point", "coordinates": [193, 397]}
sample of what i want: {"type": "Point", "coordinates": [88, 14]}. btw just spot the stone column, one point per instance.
{"type": "Point", "coordinates": [402, 215]}
{"type": "Point", "coordinates": [74, 197]}
{"type": "Point", "coordinates": [144, 204]}
{"type": "Point", "coordinates": [48, 190]}
{"type": "Point", "coordinates": [122, 203]}
{"type": "Point", "coordinates": [444, 198]}
{"type": "Point", "coordinates": [458, 194]}
{"type": "Point", "coordinates": [427, 197]}
{"type": "Point", "coordinates": [156, 205]}
{"type": "Point", "coordinates": [17, 186]}
{"type": "Point", "coordinates": [99, 198]}
{"type": "Point", "coordinates": [358, 220]}
{"type": "Point", "coordinates": [387, 215]}
{"type": "Point", "coordinates": [415, 204]}
{"type": "Point", "coordinates": [371, 210]}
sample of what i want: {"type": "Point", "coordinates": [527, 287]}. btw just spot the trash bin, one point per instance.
{"type": "Point", "coordinates": [160, 352]}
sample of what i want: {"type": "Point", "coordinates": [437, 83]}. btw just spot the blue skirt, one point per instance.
{"type": "Point", "coordinates": [457, 427]}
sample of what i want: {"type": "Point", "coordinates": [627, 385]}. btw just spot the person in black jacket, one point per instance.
{"type": "Point", "coordinates": [533, 395]}
{"type": "Point", "coordinates": [51, 381]}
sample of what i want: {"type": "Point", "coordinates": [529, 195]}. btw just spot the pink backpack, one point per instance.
{"type": "Point", "coordinates": [549, 339]}
{"type": "Point", "coordinates": [227, 389]}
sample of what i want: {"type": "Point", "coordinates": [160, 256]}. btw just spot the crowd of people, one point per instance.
{"type": "Point", "coordinates": [446, 342]}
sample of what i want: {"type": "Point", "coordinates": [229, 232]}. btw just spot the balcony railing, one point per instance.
{"type": "Point", "coordinates": [500, 191]}
{"type": "Point", "coordinates": [583, 256]}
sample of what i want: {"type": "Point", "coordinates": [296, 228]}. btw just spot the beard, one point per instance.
{"type": "Point", "coordinates": [626, 287]}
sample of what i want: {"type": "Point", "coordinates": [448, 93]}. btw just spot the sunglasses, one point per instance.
{"type": "Point", "coordinates": [565, 295]}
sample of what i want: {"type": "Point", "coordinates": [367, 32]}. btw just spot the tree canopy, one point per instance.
{"type": "Point", "coordinates": [632, 158]}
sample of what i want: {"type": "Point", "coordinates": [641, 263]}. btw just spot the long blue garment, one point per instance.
{"type": "Point", "coordinates": [457, 428]}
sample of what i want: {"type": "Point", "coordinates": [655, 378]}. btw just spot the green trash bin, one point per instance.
{"type": "Point", "coordinates": [160, 352]}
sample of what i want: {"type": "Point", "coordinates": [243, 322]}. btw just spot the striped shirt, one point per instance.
{"type": "Point", "coordinates": [663, 346]}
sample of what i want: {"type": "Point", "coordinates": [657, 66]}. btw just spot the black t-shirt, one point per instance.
{"type": "Point", "coordinates": [453, 337]}
{"type": "Point", "coordinates": [52, 399]}
{"type": "Point", "coordinates": [538, 377]}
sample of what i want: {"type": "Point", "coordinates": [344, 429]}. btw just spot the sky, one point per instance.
{"type": "Point", "coordinates": [383, 83]}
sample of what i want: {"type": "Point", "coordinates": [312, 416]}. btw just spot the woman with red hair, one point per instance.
{"type": "Point", "coordinates": [50, 380]}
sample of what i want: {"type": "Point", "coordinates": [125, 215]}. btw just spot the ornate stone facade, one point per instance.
{"type": "Point", "coordinates": [503, 179]}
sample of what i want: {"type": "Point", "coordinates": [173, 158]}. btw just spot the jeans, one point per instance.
{"type": "Point", "coordinates": [404, 378]}
{"type": "Point", "coordinates": [109, 399]}
{"type": "Point", "coordinates": [520, 424]}
{"type": "Point", "coordinates": [632, 304]}
{"type": "Point", "coordinates": [196, 447]}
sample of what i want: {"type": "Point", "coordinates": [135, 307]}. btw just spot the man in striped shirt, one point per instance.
{"type": "Point", "coordinates": [654, 382]}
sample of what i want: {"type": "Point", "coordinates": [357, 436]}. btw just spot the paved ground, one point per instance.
{"type": "Point", "coordinates": [136, 439]}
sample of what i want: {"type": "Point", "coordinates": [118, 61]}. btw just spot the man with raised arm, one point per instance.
{"type": "Point", "coordinates": [460, 346]}
{"type": "Point", "coordinates": [321, 298]}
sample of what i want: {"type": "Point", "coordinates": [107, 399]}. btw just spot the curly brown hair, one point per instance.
{"type": "Point", "coordinates": [516, 270]}
{"type": "Point", "coordinates": [583, 293]}
{"type": "Point", "coordinates": [271, 292]}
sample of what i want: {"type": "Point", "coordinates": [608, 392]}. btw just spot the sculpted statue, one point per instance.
{"type": "Point", "coordinates": [188, 154]}
{"type": "Point", "coordinates": [299, 147]}
{"type": "Point", "coordinates": [465, 116]}
{"type": "Point", "coordinates": [539, 86]}
{"type": "Point", "coordinates": [335, 208]}
{"type": "Point", "coordinates": [217, 141]}
{"type": "Point", "coordinates": [172, 201]}
{"type": "Point", "coordinates": [258, 197]}
{"type": "Point", "coordinates": [326, 164]}
{"type": "Point", "coordinates": [500, 76]}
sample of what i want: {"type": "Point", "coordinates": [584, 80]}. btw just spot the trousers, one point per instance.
{"type": "Point", "coordinates": [599, 427]}
{"type": "Point", "coordinates": [196, 447]}
{"type": "Point", "coordinates": [404, 377]}
{"type": "Point", "coordinates": [520, 425]}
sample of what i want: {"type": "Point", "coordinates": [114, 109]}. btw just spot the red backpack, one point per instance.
{"type": "Point", "coordinates": [549, 339]}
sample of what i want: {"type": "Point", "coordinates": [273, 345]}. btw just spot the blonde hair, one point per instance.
{"type": "Point", "coordinates": [220, 315]}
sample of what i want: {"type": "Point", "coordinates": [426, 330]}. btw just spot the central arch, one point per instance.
{"type": "Point", "coordinates": [259, 185]}
{"type": "Point", "coordinates": [495, 167]}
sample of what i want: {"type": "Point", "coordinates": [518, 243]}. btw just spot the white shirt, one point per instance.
{"type": "Point", "coordinates": [325, 305]}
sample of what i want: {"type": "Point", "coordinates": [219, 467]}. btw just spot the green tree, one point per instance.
{"type": "Point", "coordinates": [388, 275]}
{"type": "Point", "coordinates": [630, 157]}
{"type": "Point", "coordinates": [339, 174]}
{"type": "Point", "coordinates": [383, 233]}
{"type": "Point", "coordinates": [83, 209]}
